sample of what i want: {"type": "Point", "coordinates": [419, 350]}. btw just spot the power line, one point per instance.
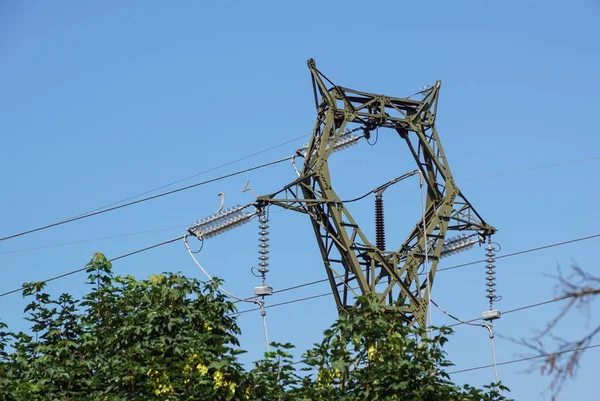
{"type": "Point", "coordinates": [524, 170]}
{"type": "Point", "coordinates": [522, 252]}
{"type": "Point", "coordinates": [521, 308]}
{"type": "Point", "coordinates": [494, 364]}
{"type": "Point", "coordinates": [93, 239]}
{"type": "Point", "coordinates": [509, 311]}
{"type": "Point", "coordinates": [110, 260]}
{"type": "Point", "coordinates": [456, 266]}
{"type": "Point", "coordinates": [524, 359]}
{"type": "Point", "coordinates": [195, 175]}
{"type": "Point", "coordinates": [531, 168]}
{"type": "Point", "coordinates": [298, 286]}
{"type": "Point", "coordinates": [310, 283]}
{"type": "Point", "coordinates": [293, 301]}
{"type": "Point", "coordinates": [295, 287]}
{"type": "Point", "coordinates": [461, 322]}
{"type": "Point", "coordinates": [110, 209]}
{"type": "Point", "coordinates": [328, 293]}
{"type": "Point", "coordinates": [450, 325]}
{"type": "Point", "coordinates": [447, 268]}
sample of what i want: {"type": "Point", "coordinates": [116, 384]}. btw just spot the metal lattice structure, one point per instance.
{"type": "Point", "coordinates": [351, 260]}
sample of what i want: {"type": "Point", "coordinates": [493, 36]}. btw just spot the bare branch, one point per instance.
{"type": "Point", "coordinates": [578, 288]}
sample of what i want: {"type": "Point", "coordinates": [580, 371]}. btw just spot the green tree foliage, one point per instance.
{"type": "Point", "coordinates": [174, 338]}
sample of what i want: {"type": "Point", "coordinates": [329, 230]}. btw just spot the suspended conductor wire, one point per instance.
{"type": "Point", "coordinates": [467, 322]}
{"type": "Point", "coordinates": [382, 187]}
{"type": "Point", "coordinates": [521, 252]}
{"type": "Point", "coordinates": [210, 278]}
{"type": "Point", "coordinates": [85, 268]}
{"type": "Point", "coordinates": [197, 174]}
{"type": "Point", "coordinates": [484, 176]}
{"type": "Point", "coordinates": [315, 282]}
{"type": "Point", "coordinates": [294, 165]}
{"type": "Point", "coordinates": [526, 359]}
{"type": "Point", "coordinates": [107, 209]}
{"type": "Point", "coordinates": [85, 216]}
{"type": "Point", "coordinates": [263, 313]}
{"type": "Point", "coordinates": [487, 326]}
{"type": "Point", "coordinates": [92, 239]}
{"type": "Point", "coordinates": [524, 170]}
{"type": "Point", "coordinates": [264, 316]}
{"type": "Point", "coordinates": [359, 198]}
{"type": "Point", "coordinates": [491, 330]}
{"type": "Point", "coordinates": [260, 303]}
{"type": "Point", "coordinates": [201, 246]}
{"type": "Point", "coordinates": [376, 138]}
{"type": "Point", "coordinates": [460, 322]}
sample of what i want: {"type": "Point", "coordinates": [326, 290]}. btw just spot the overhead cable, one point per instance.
{"type": "Point", "coordinates": [460, 322]}
{"type": "Point", "coordinates": [506, 312]}
{"type": "Point", "coordinates": [93, 239]}
{"type": "Point", "coordinates": [507, 255]}
{"type": "Point", "coordinates": [259, 302]}
{"type": "Point", "coordinates": [196, 175]}
{"type": "Point", "coordinates": [310, 283]}
{"type": "Point", "coordinates": [488, 326]}
{"type": "Point", "coordinates": [110, 209]}
{"type": "Point", "coordinates": [524, 359]}
{"type": "Point", "coordinates": [293, 301]}
{"type": "Point", "coordinates": [210, 278]}
{"type": "Point", "coordinates": [511, 172]}
{"type": "Point", "coordinates": [543, 166]}
{"type": "Point", "coordinates": [110, 260]}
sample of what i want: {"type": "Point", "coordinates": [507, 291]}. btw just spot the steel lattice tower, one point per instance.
{"type": "Point", "coordinates": [350, 258]}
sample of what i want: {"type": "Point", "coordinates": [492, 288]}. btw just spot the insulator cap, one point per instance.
{"type": "Point", "coordinates": [263, 290]}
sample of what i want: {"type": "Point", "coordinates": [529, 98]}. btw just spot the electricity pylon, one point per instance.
{"type": "Point", "coordinates": [350, 258]}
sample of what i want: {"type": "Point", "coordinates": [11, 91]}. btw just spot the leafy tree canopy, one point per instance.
{"type": "Point", "coordinates": [174, 338]}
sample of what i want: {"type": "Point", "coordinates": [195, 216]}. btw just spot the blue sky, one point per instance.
{"type": "Point", "coordinates": [102, 102]}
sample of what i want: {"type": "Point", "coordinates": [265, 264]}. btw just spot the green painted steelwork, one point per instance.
{"type": "Point", "coordinates": [350, 259]}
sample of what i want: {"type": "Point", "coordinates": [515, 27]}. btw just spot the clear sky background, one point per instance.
{"type": "Point", "coordinates": [101, 101]}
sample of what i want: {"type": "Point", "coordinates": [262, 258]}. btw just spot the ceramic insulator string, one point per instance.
{"type": "Point", "coordinates": [263, 244]}
{"type": "Point", "coordinates": [491, 273]}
